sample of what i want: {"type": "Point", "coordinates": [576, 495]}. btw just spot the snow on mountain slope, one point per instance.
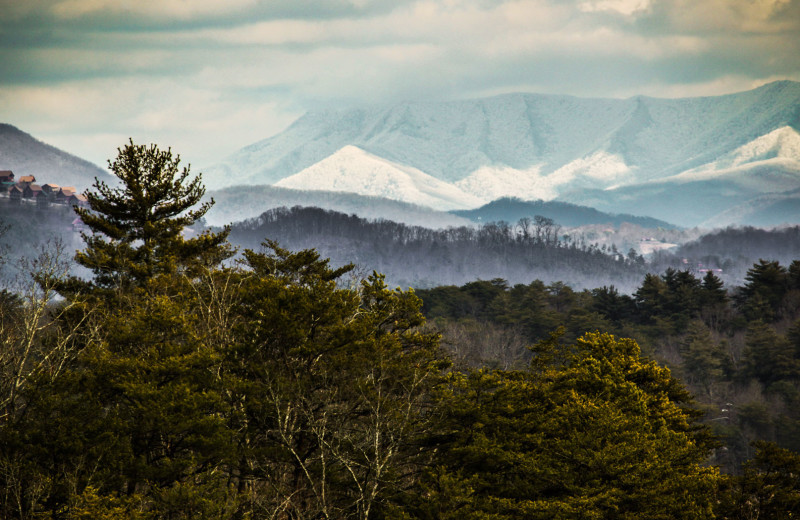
{"type": "Point", "coordinates": [539, 146]}
{"type": "Point", "coordinates": [354, 170]}
{"type": "Point", "coordinates": [493, 182]}
{"type": "Point", "coordinates": [598, 170]}
{"type": "Point", "coordinates": [779, 148]}
{"type": "Point", "coordinates": [450, 141]}
{"type": "Point", "coordinates": [767, 164]}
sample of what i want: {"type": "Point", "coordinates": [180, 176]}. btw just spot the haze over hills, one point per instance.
{"type": "Point", "coordinates": [616, 155]}
{"type": "Point", "coordinates": [25, 155]}
{"type": "Point", "coordinates": [565, 214]}
{"type": "Point", "coordinates": [239, 203]}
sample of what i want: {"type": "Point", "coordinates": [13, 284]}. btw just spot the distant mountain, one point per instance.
{"type": "Point", "coordinates": [25, 155]}
{"type": "Point", "coordinates": [563, 213]}
{"type": "Point", "coordinates": [245, 202]}
{"type": "Point", "coordinates": [769, 210]}
{"type": "Point", "coordinates": [618, 152]}
{"type": "Point", "coordinates": [715, 193]}
{"type": "Point", "coordinates": [355, 171]}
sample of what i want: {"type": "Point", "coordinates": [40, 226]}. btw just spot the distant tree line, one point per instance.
{"type": "Point", "coordinates": [733, 249]}
{"type": "Point", "coordinates": [417, 256]}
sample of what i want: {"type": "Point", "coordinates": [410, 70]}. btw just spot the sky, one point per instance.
{"type": "Point", "coordinates": [208, 77]}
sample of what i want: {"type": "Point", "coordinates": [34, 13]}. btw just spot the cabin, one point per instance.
{"type": "Point", "coordinates": [6, 180]}
{"type": "Point", "coordinates": [15, 193]}
{"type": "Point", "coordinates": [50, 188]}
{"type": "Point", "coordinates": [32, 191]}
{"type": "Point", "coordinates": [76, 199]}
{"type": "Point", "coordinates": [65, 193]}
{"type": "Point", "coordinates": [26, 179]}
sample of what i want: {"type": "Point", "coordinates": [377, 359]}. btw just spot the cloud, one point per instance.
{"type": "Point", "coordinates": [214, 76]}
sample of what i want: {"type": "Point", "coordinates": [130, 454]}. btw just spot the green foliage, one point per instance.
{"type": "Point", "coordinates": [137, 227]}
{"type": "Point", "coordinates": [331, 385]}
{"type": "Point", "coordinates": [767, 284]}
{"type": "Point", "coordinates": [172, 386]}
{"type": "Point", "coordinates": [769, 486]}
{"type": "Point", "coordinates": [591, 431]}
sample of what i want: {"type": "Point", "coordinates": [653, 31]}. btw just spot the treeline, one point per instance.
{"type": "Point", "coordinates": [172, 384]}
{"type": "Point", "coordinates": [422, 257]}
{"type": "Point", "coordinates": [736, 349]}
{"type": "Point", "coordinates": [734, 250]}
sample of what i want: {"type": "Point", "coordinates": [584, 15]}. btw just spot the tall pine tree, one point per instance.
{"type": "Point", "coordinates": [138, 227]}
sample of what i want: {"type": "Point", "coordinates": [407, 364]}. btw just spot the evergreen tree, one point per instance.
{"type": "Point", "coordinates": [703, 358]}
{"type": "Point", "coordinates": [762, 295]}
{"type": "Point", "coordinates": [328, 387]}
{"type": "Point", "coordinates": [768, 487]}
{"type": "Point", "coordinates": [138, 227]}
{"type": "Point", "coordinates": [590, 431]}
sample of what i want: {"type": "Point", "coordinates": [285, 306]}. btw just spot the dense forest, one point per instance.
{"type": "Point", "coordinates": [414, 256]}
{"type": "Point", "coordinates": [172, 383]}
{"type": "Point", "coordinates": [737, 350]}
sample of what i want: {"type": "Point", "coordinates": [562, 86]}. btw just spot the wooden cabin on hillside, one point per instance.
{"type": "Point", "coordinates": [65, 193]}
{"type": "Point", "coordinates": [50, 188]}
{"type": "Point", "coordinates": [6, 180]}
{"type": "Point", "coordinates": [26, 179]}
{"type": "Point", "coordinates": [32, 191]}
{"type": "Point", "coordinates": [15, 193]}
{"type": "Point", "coordinates": [76, 199]}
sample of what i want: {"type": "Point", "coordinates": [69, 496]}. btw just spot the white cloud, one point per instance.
{"type": "Point", "coordinates": [626, 7]}
{"type": "Point", "coordinates": [251, 66]}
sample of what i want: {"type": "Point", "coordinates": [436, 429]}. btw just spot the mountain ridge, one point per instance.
{"type": "Point", "coordinates": [532, 146]}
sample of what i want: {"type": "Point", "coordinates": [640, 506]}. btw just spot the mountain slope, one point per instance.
{"type": "Point", "coordinates": [24, 155]}
{"type": "Point", "coordinates": [724, 191]}
{"type": "Point", "coordinates": [354, 170]}
{"type": "Point", "coordinates": [531, 133]}
{"type": "Point", "coordinates": [563, 213]}
{"type": "Point", "coordinates": [245, 202]}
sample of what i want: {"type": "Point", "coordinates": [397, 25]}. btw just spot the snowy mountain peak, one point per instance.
{"type": "Point", "coordinates": [781, 143]}
{"type": "Point", "coordinates": [352, 169]}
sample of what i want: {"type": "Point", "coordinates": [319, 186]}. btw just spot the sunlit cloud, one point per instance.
{"type": "Point", "coordinates": [216, 76]}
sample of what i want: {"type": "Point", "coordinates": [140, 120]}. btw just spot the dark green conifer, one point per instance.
{"type": "Point", "coordinates": [138, 227]}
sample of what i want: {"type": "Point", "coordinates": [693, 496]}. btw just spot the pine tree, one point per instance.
{"type": "Point", "coordinates": [138, 227]}
{"type": "Point", "coordinates": [590, 431]}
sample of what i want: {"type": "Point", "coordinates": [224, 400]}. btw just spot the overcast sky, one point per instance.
{"type": "Point", "coordinates": [208, 77]}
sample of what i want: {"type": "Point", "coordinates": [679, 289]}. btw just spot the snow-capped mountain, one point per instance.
{"type": "Point", "coordinates": [722, 192]}
{"type": "Point", "coordinates": [617, 153]}
{"type": "Point", "coordinates": [356, 171]}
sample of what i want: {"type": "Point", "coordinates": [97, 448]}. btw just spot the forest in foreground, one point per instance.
{"type": "Point", "coordinates": [171, 383]}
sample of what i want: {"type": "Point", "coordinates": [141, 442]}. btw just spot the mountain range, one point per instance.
{"type": "Point", "coordinates": [688, 161]}
{"type": "Point", "coordinates": [706, 161]}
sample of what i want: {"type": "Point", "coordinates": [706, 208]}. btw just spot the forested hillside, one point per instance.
{"type": "Point", "coordinates": [171, 383]}
{"type": "Point", "coordinates": [421, 257]}
{"type": "Point", "coordinates": [737, 348]}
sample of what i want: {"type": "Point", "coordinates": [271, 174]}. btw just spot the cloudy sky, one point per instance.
{"type": "Point", "coordinates": [208, 77]}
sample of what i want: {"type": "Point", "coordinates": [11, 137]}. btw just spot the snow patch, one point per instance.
{"type": "Point", "coordinates": [779, 149]}
{"type": "Point", "coordinates": [603, 168]}
{"type": "Point", "coordinates": [354, 170]}
{"type": "Point", "coordinates": [492, 182]}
